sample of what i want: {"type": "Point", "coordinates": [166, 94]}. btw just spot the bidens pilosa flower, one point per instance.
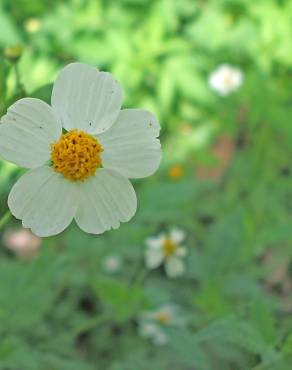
{"type": "Point", "coordinates": [81, 151]}
{"type": "Point", "coordinates": [152, 324]}
{"type": "Point", "coordinates": [22, 242]}
{"type": "Point", "coordinates": [112, 263]}
{"type": "Point", "coordinates": [225, 79]}
{"type": "Point", "coordinates": [168, 250]}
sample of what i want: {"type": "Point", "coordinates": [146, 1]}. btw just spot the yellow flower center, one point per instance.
{"type": "Point", "coordinates": [175, 172]}
{"type": "Point", "coordinates": [168, 247]}
{"type": "Point", "coordinates": [163, 317]}
{"type": "Point", "coordinates": [227, 80]}
{"type": "Point", "coordinates": [76, 155]}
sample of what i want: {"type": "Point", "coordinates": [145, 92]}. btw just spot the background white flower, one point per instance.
{"type": "Point", "coordinates": [225, 79]}
{"type": "Point", "coordinates": [112, 263]}
{"type": "Point", "coordinates": [167, 250]}
{"type": "Point", "coordinates": [152, 330]}
{"type": "Point", "coordinates": [152, 323]}
{"type": "Point", "coordinates": [22, 242]}
{"type": "Point", "coordinates": [104, 146]}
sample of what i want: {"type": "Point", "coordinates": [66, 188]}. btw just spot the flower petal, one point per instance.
{"type": "Point", "coordinates": [147, 329]}
{"type": "Point", "coordinates": [86, 99]}
{"type": "Point", "coordinates": [44, 200]}
{"type": "Point", "coordinates": [174, 267]}
{"type": "Point", "coordinates": [26, 132]}
{"type": "Point", "coordinates": [160, 338]}
{"type": "Point", "coordinates": [177, 235]}
{"type": "Point", "coordinates": [153, 258]}
{"type": "Point", "coordinates": [131, 146]}
{"type": "Point", "coordinates": [155, 241]}
{"type": "Point", "coordinates": [181, 252]}
{"type": "Point", "coordinates": [106, 199]}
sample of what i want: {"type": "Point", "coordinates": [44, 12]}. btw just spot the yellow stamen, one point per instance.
{"type": "Point", "coordinates": [76, 155]}
{"type": "Point", "coordinates": [163, 317]}
{"type": "Point", "coordinates": [168, 247]}
{"type": "Point", "coordinates": [175, 172]}
{"type": "Point", "coordinates": [227, 80]}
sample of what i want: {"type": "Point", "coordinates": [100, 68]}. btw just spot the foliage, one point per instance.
{"type": "Point", "coordinates": [62, 310]}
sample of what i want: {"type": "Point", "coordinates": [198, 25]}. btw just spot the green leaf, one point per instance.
{"type": "Point", "coordinates": [120, 298]}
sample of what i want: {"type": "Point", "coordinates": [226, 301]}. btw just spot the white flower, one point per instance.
{"type": "Point", "coordinates": [225, 79]}
{"type": "Point", "coordinates": [22, 242]}
{"type": "Point", "coordinates": [152, 323]}
{"type": "Point", "coordinates": [82, 173]}
{"type": "Point", "coordinates": [167, 250]}
{"type": "Point", "coordinates": [112, 263]}
{"type": "Point", "coordinates": [32, 25]}
{"type": "Point", "coordinates": [154, 332]}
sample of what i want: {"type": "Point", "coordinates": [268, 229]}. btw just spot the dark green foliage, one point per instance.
{"type": "Point", "coordinates": [62, 310]}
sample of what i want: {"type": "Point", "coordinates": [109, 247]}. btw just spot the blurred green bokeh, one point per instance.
{"type": "Point", "coordinates": [225, 179]}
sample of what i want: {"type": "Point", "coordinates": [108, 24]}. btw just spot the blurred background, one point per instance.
{"type": "Point", "coordinates": [218, 74]}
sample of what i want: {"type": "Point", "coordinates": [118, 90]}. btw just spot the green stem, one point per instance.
{"type": "Point", "coordinates": [4, 219]}
{"type": "Point", "coordinates": [19, 85]}
{"type": "Point", "coordinates": [140, 276]}
{"type": "Point", "coordinates": [17, 75]}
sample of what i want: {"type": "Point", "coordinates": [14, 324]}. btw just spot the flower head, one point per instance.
{"type": "Point", "coordinates": [112, 263]}
{"type": "Point", "coordinates": [13, 53]}
{"type": "Point", "coordinates": [167, 250]}
{"type": "Point", "coordinates": [32, 25]}
{"type": "Point", "coordinates": [22, 242]}
{"type": "Point", "coordinates": [175, 172]}
{"type": "Point", "coordinates": [81, 151]}
{"type": "Point", "coordinates": [76, 155]}
{"type": "Point", "coordinates": [225, 79]}
{"type": "Point", "coordinates": [152, 323]}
